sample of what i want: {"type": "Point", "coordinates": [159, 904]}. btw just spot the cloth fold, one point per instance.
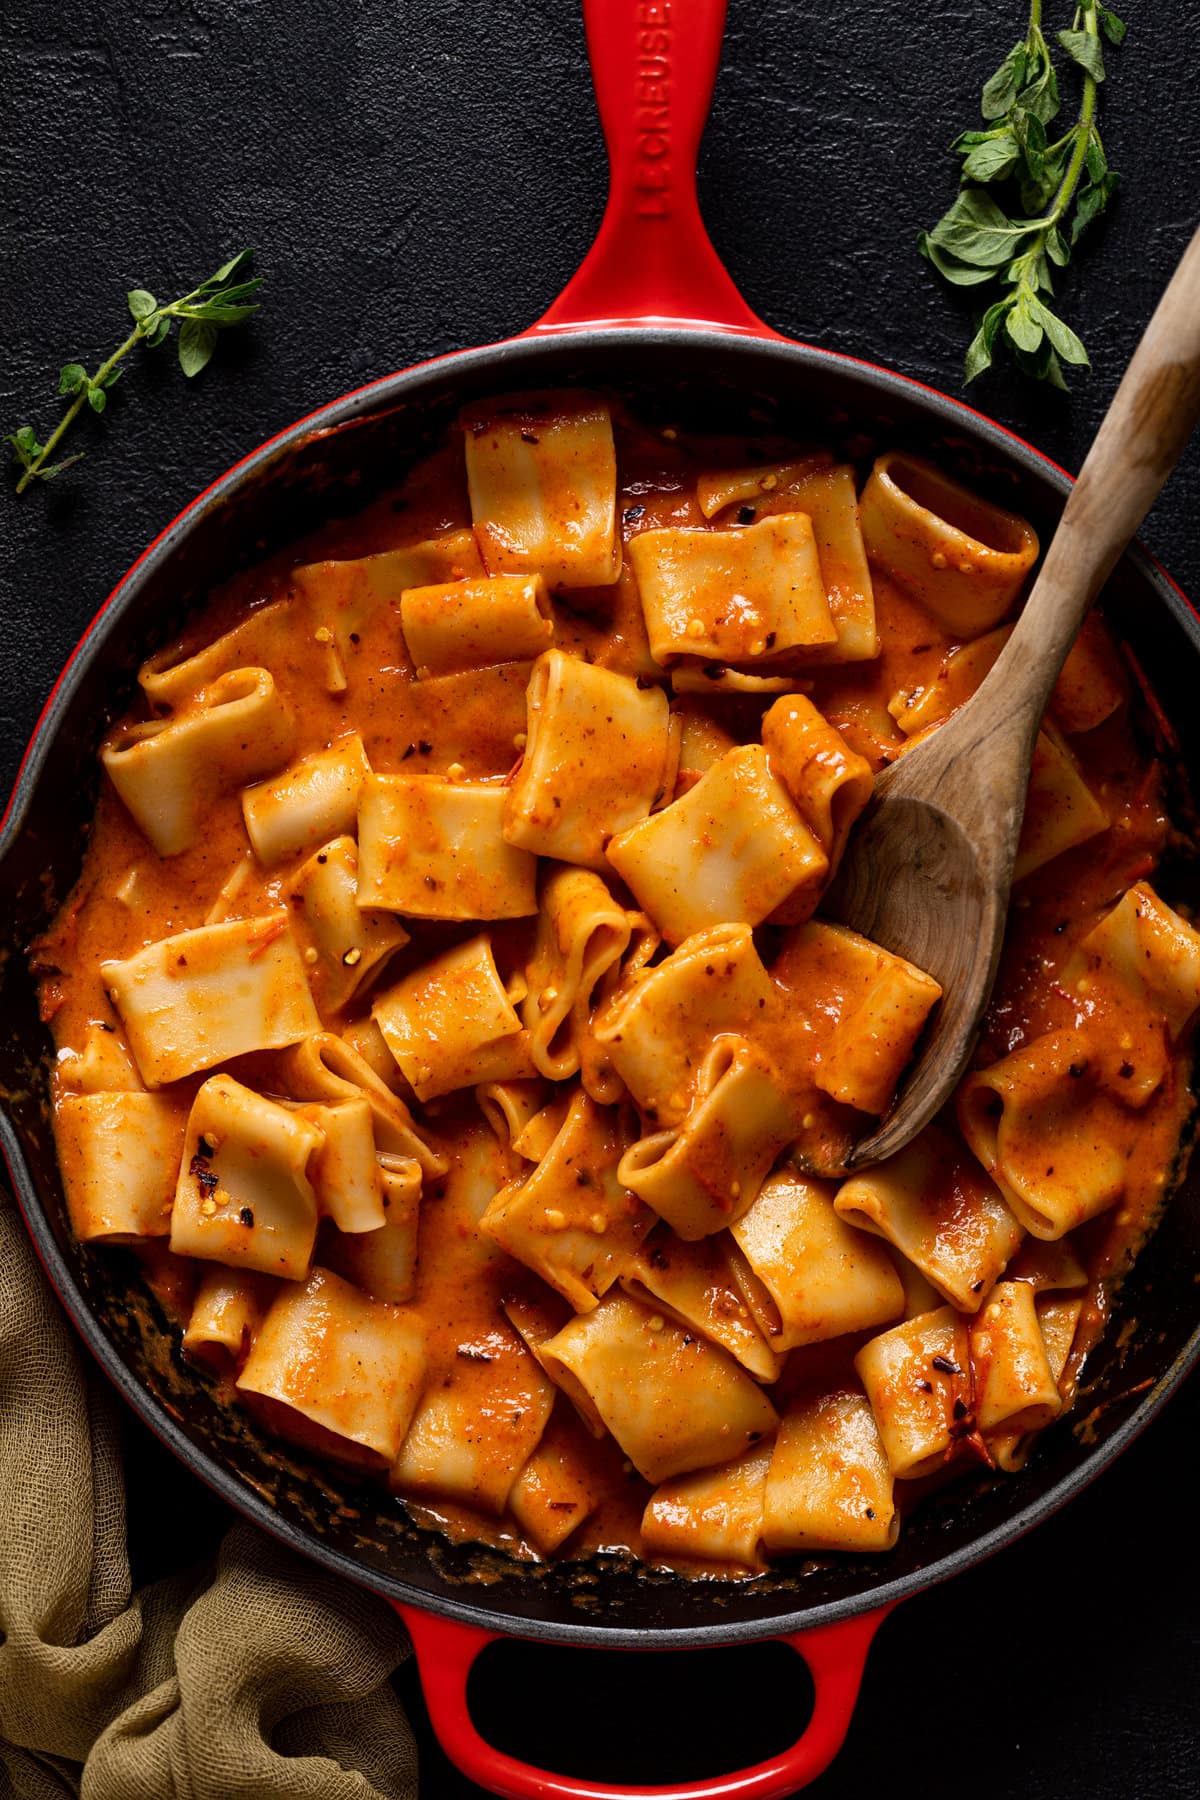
{"type": "Point", "coordinates": [251, 1677]}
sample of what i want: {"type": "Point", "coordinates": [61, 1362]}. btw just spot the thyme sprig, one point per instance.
{"type": "Point", "coordinates": [1044, 184]}
{"type": "Point", "coordinates": [221, 301]}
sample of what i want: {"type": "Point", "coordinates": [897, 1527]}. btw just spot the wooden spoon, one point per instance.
{"type": "Point", "coordinates": [929, 865]}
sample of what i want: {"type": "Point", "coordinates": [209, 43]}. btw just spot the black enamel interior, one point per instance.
{"type": "Point", "coordinates": [332, 465]}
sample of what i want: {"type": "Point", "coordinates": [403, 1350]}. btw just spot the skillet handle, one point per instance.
{"type": "Point", "coordinates": [446, 1650]}
{"type": "Point", "coordinates": [654, 63]}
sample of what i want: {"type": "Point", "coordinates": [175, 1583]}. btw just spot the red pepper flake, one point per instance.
{"type": "Point", "coordinates": [530, 437]}
{"type": "Point", "coordinates": [424, 746]}
{"type": "Point", "coordinates": [200, 1169]}
{"type": "Point", "coordinates": [771, 640]}
{"type": "Point", "coordinates": [945, 1366]}
{"type": "Point", "coordinates": [634, 512]}
{"type": "Point", "coordinates": [247, 1215]}
{"type": "Point", "coordinates": [410, 751]}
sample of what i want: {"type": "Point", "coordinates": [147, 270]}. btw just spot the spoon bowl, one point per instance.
{"type": "Point", "coordinates": [929, 865]}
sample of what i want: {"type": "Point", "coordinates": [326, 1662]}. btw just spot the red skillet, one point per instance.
{"type": "Point", "coordinates": [653, 313]}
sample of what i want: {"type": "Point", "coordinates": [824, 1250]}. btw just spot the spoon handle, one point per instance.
{"type": "Point", "coordinates": [1139, 442]}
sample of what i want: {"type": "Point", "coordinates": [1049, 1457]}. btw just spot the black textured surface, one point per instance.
{"type": "Point", "coordinates": [422, 176]}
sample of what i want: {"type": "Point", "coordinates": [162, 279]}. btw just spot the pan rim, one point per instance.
{"type": "Point", "coordinates": [379, 396]}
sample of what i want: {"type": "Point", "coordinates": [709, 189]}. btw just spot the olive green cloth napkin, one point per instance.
{"type": "Point", "coordinates": [251, 1677]}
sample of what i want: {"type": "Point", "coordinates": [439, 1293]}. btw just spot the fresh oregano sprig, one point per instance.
{"type": "Point", "coordinates": [1044, 184]}
{"type": "Point", "coordinates": [221, 301]}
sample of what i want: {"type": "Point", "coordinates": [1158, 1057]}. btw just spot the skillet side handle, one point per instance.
{"type": "Point", "coordinates": [654, 63]}
{"type": "Point", "coordinates": [835, 1654]}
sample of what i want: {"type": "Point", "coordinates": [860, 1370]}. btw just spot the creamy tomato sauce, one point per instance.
{"type": "Point", "coordinates": [474, 724]}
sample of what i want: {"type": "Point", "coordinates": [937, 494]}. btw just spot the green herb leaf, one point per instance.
{"type": "Point", "coordinates": [97, 399]}
{"type": "Point", "coordinates": [233, 267]}
{"type": "Point", "coordinates": [980, 351]}
{"type": "Point", "coordinates": [1064, 340]}
{"type": "Point", "coordinates": [961, 274]}
{"type": "Point", "coordinates": [1092, 201]}
{"type": "Point", "coordinates": [1084, 49]}
{"type": "Point", "coordinates": [197, 341]}
{"type": "Point", "coordinates": [1001, 91]}
{"type": "Point", "coordinates": [1022, 324]}
{"type": "Point", "coordinates": [1112, 27]}
{"type": "Point", "coordinates": [25, 444]}
{"type": "Point", "coordinates": [991, 159]}
{"type": "Point", "coordinates": [71, 377]}
{"type": "Point", "coordinates": [218, 313]}
{"type": "Point", "coordinates": [160, 329]}
{"type": "Point", "coordinates": [141, 304]}
{"type": "Point", "coordinates": [1057, 248]}
{"type": "Point", "coordinates": [976, 231]}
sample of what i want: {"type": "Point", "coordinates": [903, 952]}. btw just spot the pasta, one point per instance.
{"type": "Point", "coordinates": [732, 596]}
{"type": "Point", "coordinates": [436, 850]}
{"type": "Point", "coordinates": [451, 1024]}
{"type": "Point", "coordinates": [673, 1402]}
{"type": "Point", "coordinates": [315, 799]}
{"type": "Point", "coordinates": [703, 1174]}
{"type": "Point", "coordinates": [805, 1274]}
{"type": "Point", "coordinates": [190, 1001]}
{"type": "Point", "coordinates": [469, 624]}
{"type": "Point", "coordinates": [828, 1484]}
{"type": "Point", "coordinates": [448, 1008]}
{"type": "Point", "coordinates": [595, 762]}
{"type": "Point", "coordinates": [963, 560]}
{"type": "Point", "coordinates": [168, 772]}
{"type": "Point", "coordinates": [543, 486]}
{"type": "Point", "coordinates": [734, 847]}
{"type": "Point", "coordinates": [571, 1219]}
{"type": "Point", "coordinates": [121, 1154]}
{"type": "Point", "coordinates": [244, 1196]}
{"type": "Point", "coordinates": [350, 1366]}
